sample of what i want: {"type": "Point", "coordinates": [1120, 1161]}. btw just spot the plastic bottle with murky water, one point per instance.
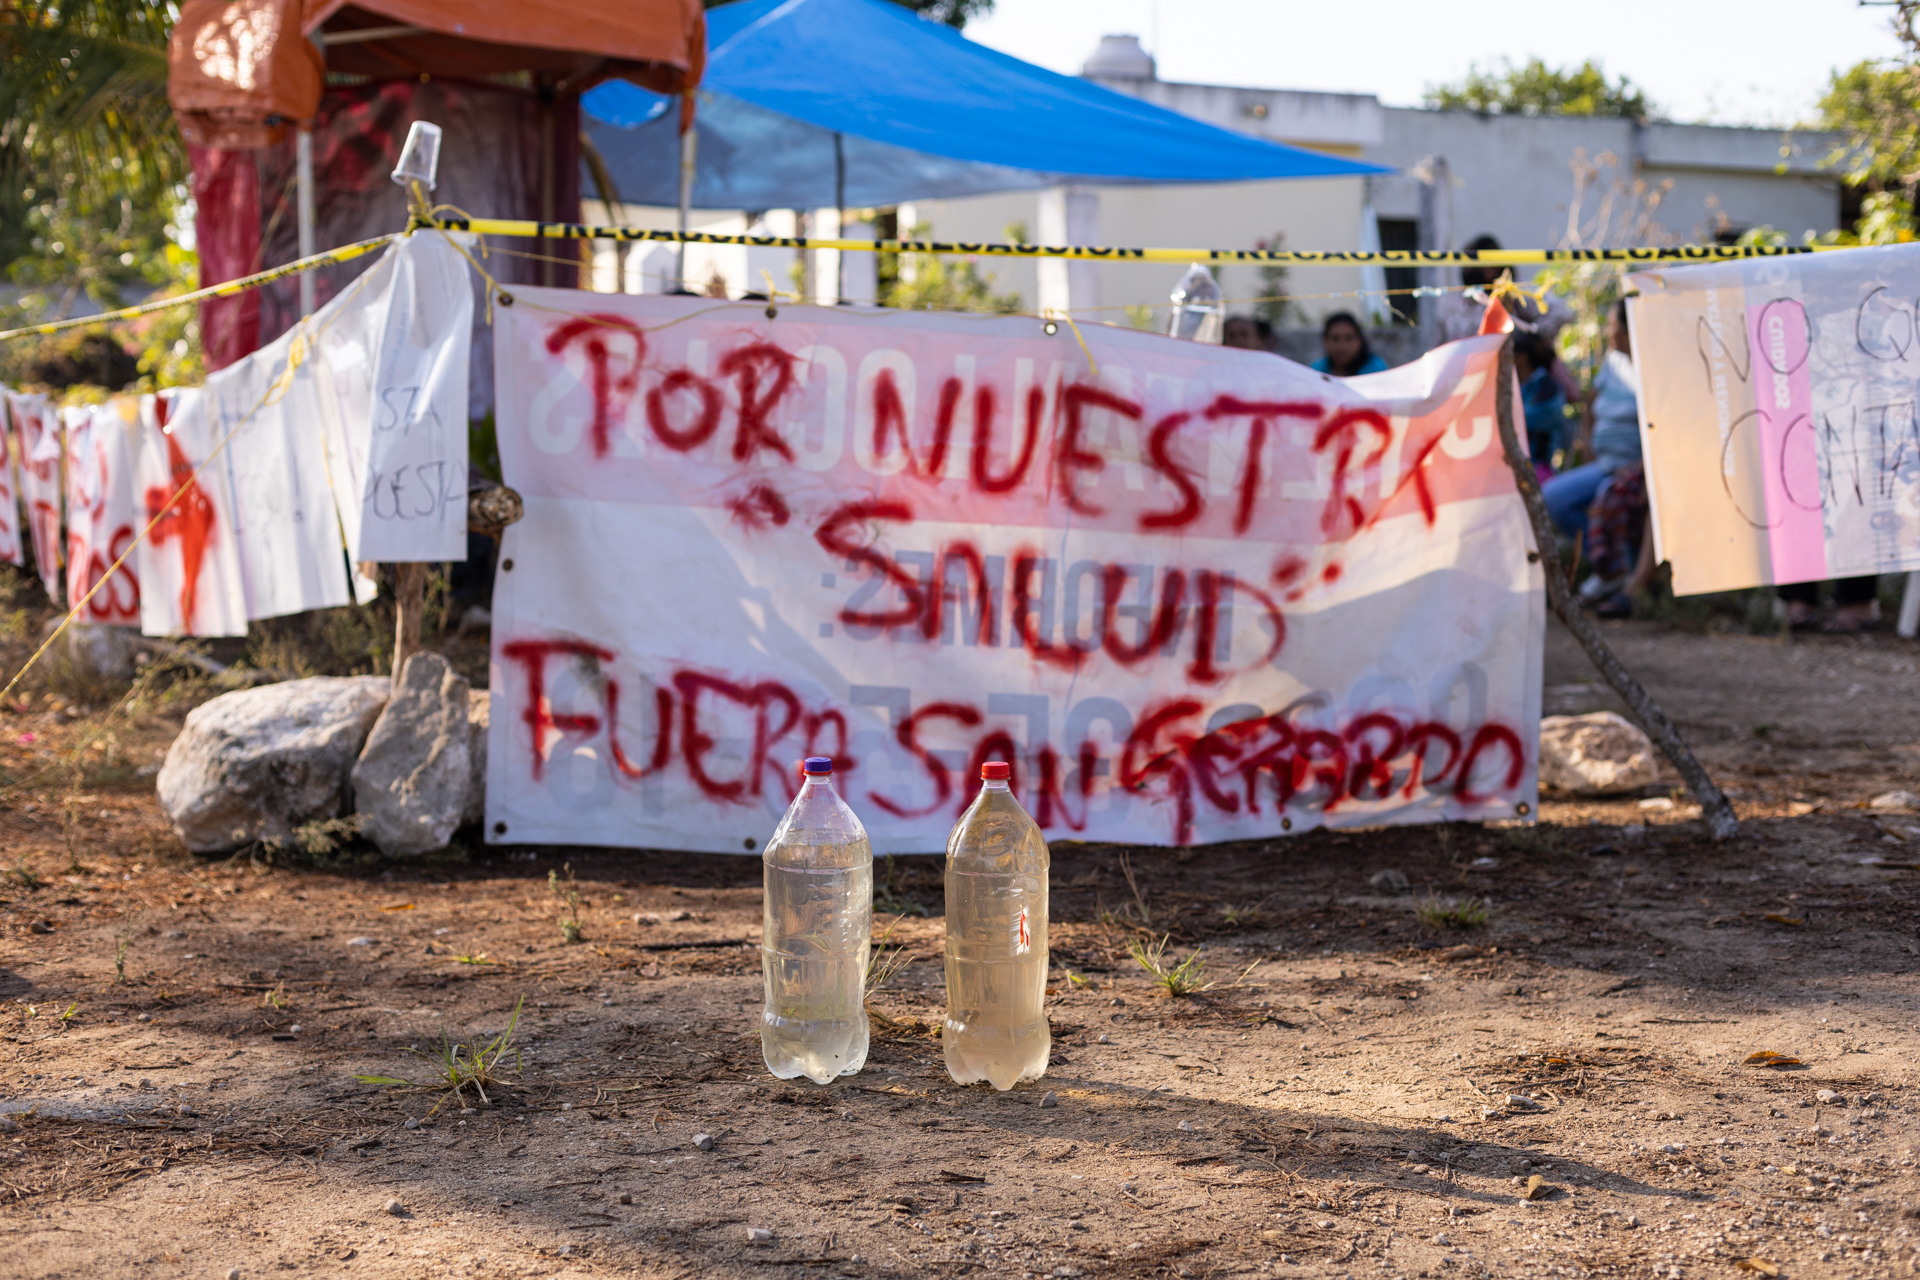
{"type": "Point", "coordinates": [817, 928]}
{"type": "Point", "coordinates": [996, 1027]}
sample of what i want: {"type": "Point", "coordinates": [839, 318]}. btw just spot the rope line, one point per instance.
{"type": "Point", "coordinates": [228, 289]}
{"type": "Point", "coordinates": [1300, 257]}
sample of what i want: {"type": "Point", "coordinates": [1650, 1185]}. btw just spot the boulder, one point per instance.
{"type": "Point", "coordinates": [479, 717]}
{"type": "Point", "coordinates": [258, 763]}
{"type": "Point", "coordinates": [411, 783]}
{"type": "Point", "coordinates": [1598, 754]}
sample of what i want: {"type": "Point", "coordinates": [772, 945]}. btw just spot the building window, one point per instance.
{"type": "Point", "coordinates": [1402, 233]}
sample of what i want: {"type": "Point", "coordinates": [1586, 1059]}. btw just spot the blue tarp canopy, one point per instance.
{"type": "Point", "coordinates": [809, 104]}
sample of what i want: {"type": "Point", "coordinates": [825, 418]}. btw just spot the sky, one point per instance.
{"type": "Point", "coordinates": [1759, 62]}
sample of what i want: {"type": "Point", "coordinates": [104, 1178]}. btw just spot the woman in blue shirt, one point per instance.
{"type": "Point", "coordinates": [1347, 353]}
{"type": "Point", "coordinates": [1612, 435]}
{"type": "Point", "coordinates": [1542, 399]}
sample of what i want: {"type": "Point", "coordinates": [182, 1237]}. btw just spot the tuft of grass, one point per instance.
{"type": "Point", "coordinates": [23, 875]}
{"type": "Point", "coordinates": [462, 1065]}
{"type": "Point", "coordinates": [474, 957]}
{"type": "Point", "coordinates": [276, 998]}
{"type": "Point", "coordinates": [1183, 979]}
{"type": "Point", "coordinates": [568, 895]}
{"type": "Point", "coordinates": [324, 838]}
{"type": "Point", "coordinates": [1454, 913]}
{"type": "Point", "coordinates": [120, 960]}
{"type": "Point", "coordinates": [1144, 913]}
{"type": "Point", "coordinates": [884, 965]}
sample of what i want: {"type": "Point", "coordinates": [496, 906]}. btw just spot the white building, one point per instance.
{"type": "Point", "coordinates": [1530, 182]}
{"type": "Point", "coordinates": [1516, 178]}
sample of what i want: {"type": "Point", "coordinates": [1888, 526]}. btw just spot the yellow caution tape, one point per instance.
{"type": "Point", "coordinates": [1300, 257]}
{"type": "Point", "coordinates": [226, 290]}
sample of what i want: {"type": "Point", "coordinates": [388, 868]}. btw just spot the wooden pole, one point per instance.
{"type": "Point", "coordinates": [1714, 805]}
{"type": "Point", "coordinates": [409, 596]}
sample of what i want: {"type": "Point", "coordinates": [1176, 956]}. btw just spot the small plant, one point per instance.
{"type": "Point", "coordinates": [1241, 917]}
{"type": "Point", "coordinates": [73, 1011]}
{"type": "Point", "coordinates": [1183, 979]}
{"type": "Point", "coordinates": [1454, 913]}
{"type": "Point", "coordinates": [474, 957]}
{"type": "Point", "coordinates": [568, 895]}
{"type": "Point", "coordinates": [1076, 979]}
{"type": "Point", "coordinates": [1145, 914]}
{"type": "Point", "coordinates": [323, 838]}
{"type": "Point", "coordinates": [459, 1066]}
{"type": "Point", "coordinates": [276, 998]}
{"type": "Point", "coordinates": [883, 966]}
{"type": "Point", "coordinates": [120, 960]}
{"type": "Point", "coordinates": [23, 875]}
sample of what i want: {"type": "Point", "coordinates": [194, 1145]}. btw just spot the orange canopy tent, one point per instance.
{"type": "Point", "coordinates": [241, 70]}
{"type": "Point", "coordinates": [294, 112]}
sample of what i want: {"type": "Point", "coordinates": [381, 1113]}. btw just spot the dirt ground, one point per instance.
{"type": "Point", "coordinates": [1360, 1094]}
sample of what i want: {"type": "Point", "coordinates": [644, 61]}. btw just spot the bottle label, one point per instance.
{"type": "Point", "coordinates": [1022, 933]}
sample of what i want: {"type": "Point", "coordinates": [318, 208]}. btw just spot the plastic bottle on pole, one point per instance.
{"type": "Point", "coordinates": [1198, 314]}
{"type": "Point", "coordinates": [814, 939]}
{"type": "Point", "coordinates": [996, 1027]}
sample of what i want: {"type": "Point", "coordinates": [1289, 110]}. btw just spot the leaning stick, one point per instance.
{"type": "Point", "coordinates": [1714, 805]}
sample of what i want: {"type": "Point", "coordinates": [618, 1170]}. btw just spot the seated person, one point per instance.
{"type": "Point", "coordinates": [1544, 403]}
{"type": "Point", "coordinates": [1250, 333]}
{"type": "Point", "coordinates": [1348, 354]}
{"type": "Point", "coordinates": [1612, 433]}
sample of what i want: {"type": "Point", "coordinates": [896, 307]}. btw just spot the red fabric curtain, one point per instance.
{"type": "Point", "coordinates": [492, 164]}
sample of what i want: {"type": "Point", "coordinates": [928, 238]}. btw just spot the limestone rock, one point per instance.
{"type": "Point", "coordinates": [411, 783]}
{"type": "Point", "coordinates": [257, 763]}
{"type": "Point", "coordinates": [1598, 754]}
{"type": "Point", "coordinates": [479, 704]}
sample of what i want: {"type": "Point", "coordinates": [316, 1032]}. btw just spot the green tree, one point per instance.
{"type": "Point", "coordinates": [953, 13]}
{"type": "Point", "coordinates": [92, 177]}
{"type": "Point", "coordinates": [937, 282]}
{"type": "Point", "coordinates": [1535, 89]}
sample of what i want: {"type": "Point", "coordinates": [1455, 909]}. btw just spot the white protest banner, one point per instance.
{"type": "Point", "coordinates": [36, 426]}
{"type": "Point", "coordinates": [414, 486]}
{"type": "Point", "coordinates": [1777, 411]}
{"type": "Point", "coordinates": [189, 565]}
{"type": "Point", "coordinates": [102, 442]}
{"type": "Point", "coordinates": [1198, 594]}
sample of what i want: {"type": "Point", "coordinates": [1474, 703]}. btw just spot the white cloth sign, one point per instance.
{"type": "Point", "coordinates": [414, 486]}
{"type": "Point", "coordinates": [1200, 594]}
{"type": "Point", "coordinates": [102, 516]}
{"type": "Point", "coordinates": [274, 470]}
{"type": "Point", "coordinates": [1778, 415]}
{"type": "Point", "coordinates": [189, 564]}
{"type": "Point", "coordinates": [36, 426]}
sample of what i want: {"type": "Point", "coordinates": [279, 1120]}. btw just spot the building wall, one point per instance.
{"type": "Point", "coordinates": [1313, 213]}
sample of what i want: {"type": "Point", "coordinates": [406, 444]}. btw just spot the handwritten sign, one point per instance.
{"type": "Point", "coordinates": [1778, 412]}
{"type": "Point", "coordinates": [414, 486]}
{"type": "Point", "coordinates": [1199, 594]}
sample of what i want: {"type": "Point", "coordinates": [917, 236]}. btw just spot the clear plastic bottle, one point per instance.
{"type": "Point", "coordinates": [996, 1027]}
{"type": "Point", "coordinates": [815, 935]}
{"type": "Point", "coordinates": [1197, 313]}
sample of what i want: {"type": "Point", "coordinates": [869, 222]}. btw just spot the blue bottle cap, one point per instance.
{"type": "Point", "coordinates": [819, 764]}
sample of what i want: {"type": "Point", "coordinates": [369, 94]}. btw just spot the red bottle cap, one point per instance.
{"type": "Point", "coordinates": [996, 771]}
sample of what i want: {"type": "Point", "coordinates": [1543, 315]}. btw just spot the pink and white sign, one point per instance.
{"type": "Point", "coordinates": [1778, 415]}
{"type": "Point", "coordinates": [10, 542]}
{"type": "Point", "coordinates": [1190, 593]}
